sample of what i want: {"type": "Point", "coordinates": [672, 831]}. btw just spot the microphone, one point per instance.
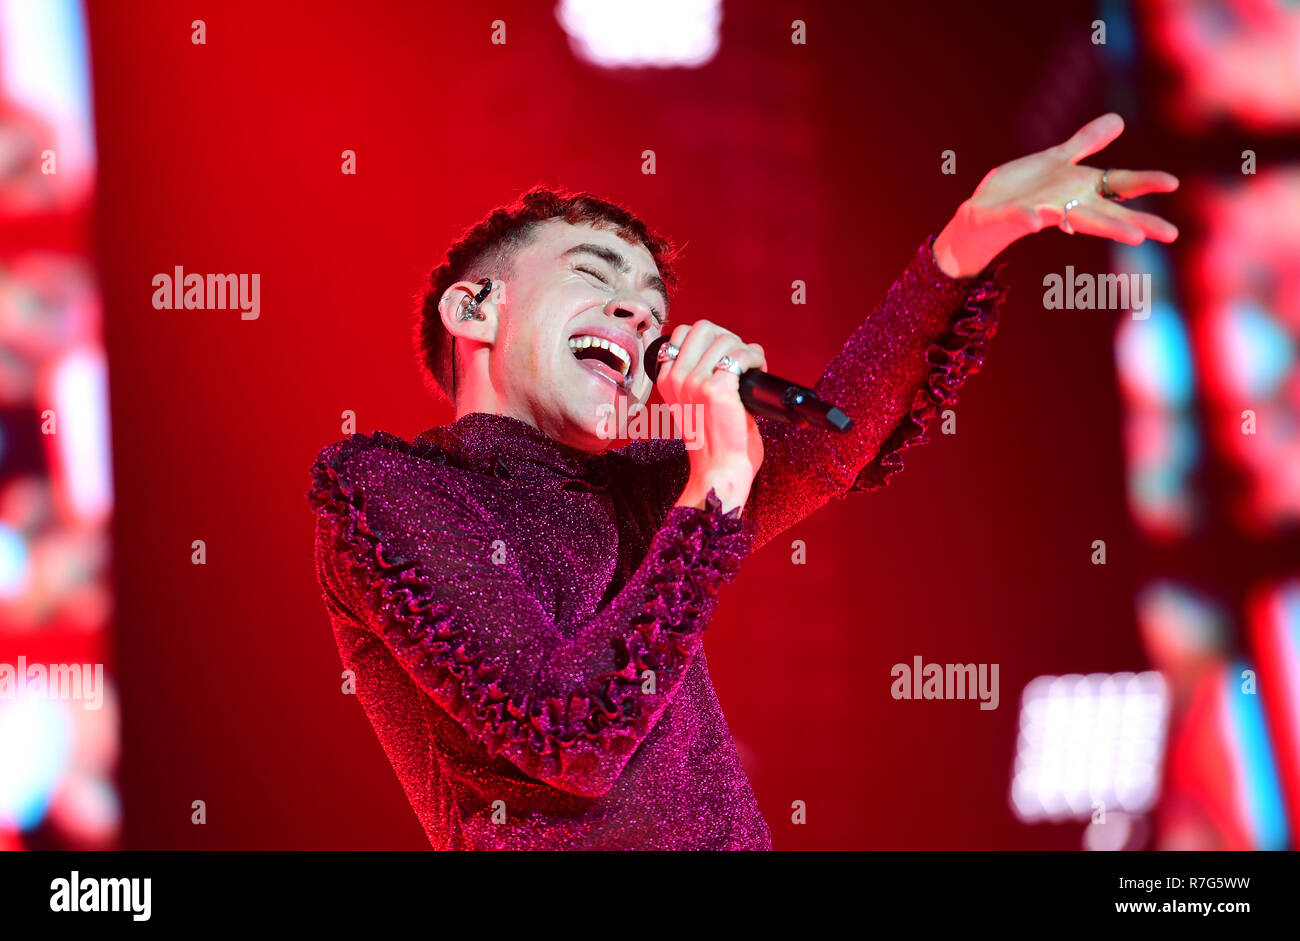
{"type": "Point", "coordinates": [771, 397]}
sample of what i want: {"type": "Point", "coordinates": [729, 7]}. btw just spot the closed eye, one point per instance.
{"type": "Point", "coordinates": [593, 272]}
{"type": "Point", "coordinates": [659, 317]}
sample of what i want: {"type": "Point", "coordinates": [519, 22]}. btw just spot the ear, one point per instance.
{"type": "Point", "coordinates": [456, 300]}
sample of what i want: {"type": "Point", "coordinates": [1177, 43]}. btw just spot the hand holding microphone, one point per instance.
{"type": "Point", "coordinates": [703, 365]}
{"type": "Point", "coordinates": [762, 393]}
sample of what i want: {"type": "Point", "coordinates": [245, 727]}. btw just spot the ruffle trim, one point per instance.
{"type": "Point", "coordinates": [956, 355]}
{"type": "Point", "coordinates": [696, 551]}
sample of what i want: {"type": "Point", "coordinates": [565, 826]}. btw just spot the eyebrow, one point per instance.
{"type": "Point", "coordinates": [621, 265]}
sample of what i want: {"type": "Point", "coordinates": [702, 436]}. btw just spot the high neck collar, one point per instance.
{"type": "Point", "coordinates": [509, 447]}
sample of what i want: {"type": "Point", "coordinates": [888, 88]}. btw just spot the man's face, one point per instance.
{"type": "Point", "coordinates": [572, 287]}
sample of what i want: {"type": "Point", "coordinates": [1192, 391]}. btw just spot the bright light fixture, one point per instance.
{"type": "Point", "coordinates": [1088, 744]}
{"type": "Point", "coordinates": [634, 33]}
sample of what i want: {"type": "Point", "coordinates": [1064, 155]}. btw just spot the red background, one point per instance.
{"type": "Point", "coordinates": [776, 162]}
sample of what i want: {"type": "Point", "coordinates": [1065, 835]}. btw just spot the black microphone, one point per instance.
{"type": "Point", "coordinates": [771, 396]}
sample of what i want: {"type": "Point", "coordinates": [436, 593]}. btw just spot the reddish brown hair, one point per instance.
{"type": "Point", "coordinates": [488, 249]}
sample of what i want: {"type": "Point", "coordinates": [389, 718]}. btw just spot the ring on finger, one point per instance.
{"type": "Point", "coordinates": [1064, 224]}
{"type": "Point", "coordinates": [668, 352]}
{"type": "Point", "coordinates": [1103, 188]}
{"type": "Point", "coordinates": [729, 364]}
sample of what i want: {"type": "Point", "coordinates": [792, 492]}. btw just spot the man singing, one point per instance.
{"type": "Point", "coordinates": [523, 607]}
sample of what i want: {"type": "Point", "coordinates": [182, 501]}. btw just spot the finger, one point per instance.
{"type": "Point", "coordinates": [728, 344]}
{"type": "Point", "coordinates": [1089, 221]}
{"type": "Point", "coordinates": [1152, 225]}
{"type": "Point", "coordinates": [1134, 183]}
{"type": "Point", "coordinates": [698, 338]}
{"type": "Point", "coordinates": [1092, 137]}
{"type": "Point", "coordinates": [676, 338]}
{"type": "Point", "coordinates": [746, 355]}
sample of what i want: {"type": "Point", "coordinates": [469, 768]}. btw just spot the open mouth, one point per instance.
{"type": "Point", "coordinates": [606, 358]}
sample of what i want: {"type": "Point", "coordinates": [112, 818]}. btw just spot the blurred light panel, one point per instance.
{"type": "Point", "coordinates": [15, 563]}
{"type": "Point", "coordinates": [1211, 395]}
{"type": "Point", "coordinates": [58, 755]}
{"type": "Point", "coordinates": [1234, 60]}
{"type": "Point", "coordinates": [1183, 633]}
{"type": "Point", "coordinates": [80, 395]}
{"type": "Point", "coordinates": [1275, 640]}
{"type": "Point", "coordinates": [1087, 742]}
{"type": "Point", "coordinates": [1255, 768]}
{"type": "Point", "coordinates": [1256, 350]}
{"type": "Point", "coordinates": [1155, 358]}
{"type": "Point", "coordinates": [1163, 450]}
{"type": "Point", "coordinates": [1222, 783]}
{"type": "Point", "coordinates": [45, 69]}
{"type": "Point", "coordinates": [1157, 378]}
{"type": "Point", "coordinates": [35, 740]}
{"type": "Point", "coordinates": [638, 33]}
{"type": "Point", "coordinates": [1246, 269]}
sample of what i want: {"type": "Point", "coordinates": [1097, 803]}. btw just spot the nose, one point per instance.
{"type": "Point", "coordinates": [632, 310]}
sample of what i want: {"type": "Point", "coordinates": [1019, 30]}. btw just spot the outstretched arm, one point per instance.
{"type": "Point", "coordinates": [897, 370]}
{"type": "Point", "coordinates": [910, 357]}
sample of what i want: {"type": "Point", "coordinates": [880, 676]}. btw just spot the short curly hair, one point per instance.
{"type": "Point", "coordinates": [489, 247]}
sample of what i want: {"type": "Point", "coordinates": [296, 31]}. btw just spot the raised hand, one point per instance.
{"type": "Point", "coordinates": [1026, 195]}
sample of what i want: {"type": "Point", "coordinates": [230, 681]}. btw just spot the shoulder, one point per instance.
{"type": "Point", "coordinates": [360, 450]}
{"type": "Point", "coordinates": [387, 513]}
{"type": "Point", "coordinates": [388, 481]}
{"type": "Point", "coordinates": [378, 458]}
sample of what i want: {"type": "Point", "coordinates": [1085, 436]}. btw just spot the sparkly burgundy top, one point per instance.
{"type": "Point", "coordinates": [525, 620]}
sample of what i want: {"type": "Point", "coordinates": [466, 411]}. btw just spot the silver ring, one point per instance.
{"type": "Point", "coordinates": [1064, 224]}
{"type": "Point", "coordinates": [668, 351]}
{"type": "Point", "coordinates": [1103, 188]}
{"type": "Point", "coordinates": [729, 364]}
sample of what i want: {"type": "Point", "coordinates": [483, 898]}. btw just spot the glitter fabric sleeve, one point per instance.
{"type": "Point", "coordinates": [897, 370]}
{"type": "Point", "coordinates": [404, 550]}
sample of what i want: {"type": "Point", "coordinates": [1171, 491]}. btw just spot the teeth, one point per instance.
{"type": "Point", "coordinates": [583, 342]}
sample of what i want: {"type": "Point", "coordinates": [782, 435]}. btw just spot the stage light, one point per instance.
{"type": "Point", "coordinates": [56, 498]}
{"type": "Point", "coordinates": [1089, 746]}
{"type": "Point", "coordinates": [80, 393]}
{"type": "Point", "coordinates": [35, 742]}
{"type": "Point", "coordinates": [1275, 641]}
{"type": "Point", "coordinates": [87, 809]}
{"type": "Point", "coordinates": [634, 33]}
{"type": "Point", "coordinates": [1158, 378]}
{"type": "Point", "coordinates": [15, 562]}
{"type": "Point", "coordinates": [1154, 358]}
{"type": "Point", "coordinates": [45, 69]}
{"type": "Point", "coordinates": [1257, 352]}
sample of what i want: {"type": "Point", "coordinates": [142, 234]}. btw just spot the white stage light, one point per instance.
{"type": "Point", "coordinates": [611, 33]}
{"type": "Point", "coordinates": [1089, 743]}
